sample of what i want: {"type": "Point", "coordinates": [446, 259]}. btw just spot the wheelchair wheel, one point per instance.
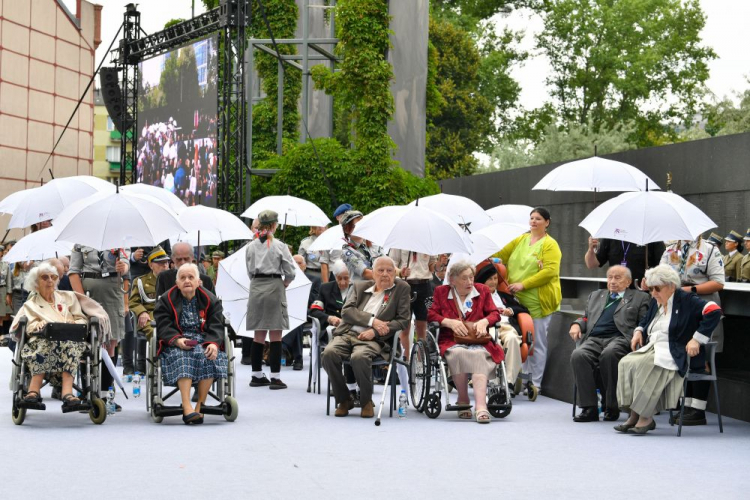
{"type": "Point", "coordinates": [497, 399]}
{"type": "Point", "coordinates": [18, 415]}
{"type": "Point", "coordinates": [98, 411]}
{"type": "Point", "coordinates": [156, 405]}
{"type": "Point", "coordinates": [419, 375]}
{"type": "Point", "coordinates": [432, 406]}
{"type": "Point", "coordinates": [518, 386]}
{"type": "Point", "coordinates": [533, 392]}
{"type": "Point", "coordinates": [232, 411]}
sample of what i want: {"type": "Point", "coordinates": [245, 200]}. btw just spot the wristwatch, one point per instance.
{"type": "Point", "coordinates": [694, 289]}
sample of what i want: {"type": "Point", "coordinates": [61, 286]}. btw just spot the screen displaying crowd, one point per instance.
{"type": "Point", "coordinates": [177, 146]}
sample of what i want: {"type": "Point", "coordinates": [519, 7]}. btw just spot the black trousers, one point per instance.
{"type": "Point", "coordinates": [604, 354]}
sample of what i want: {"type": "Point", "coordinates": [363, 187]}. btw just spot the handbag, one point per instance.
{"type": "Point", "coordinates": [62, 332]}
{"type": "Point", "coordinates": [471, 338]}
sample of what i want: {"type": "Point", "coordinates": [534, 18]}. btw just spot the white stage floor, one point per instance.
{"type": "Point", "coordinates": [283, 446]}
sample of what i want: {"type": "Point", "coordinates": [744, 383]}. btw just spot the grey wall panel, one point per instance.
{"type": "Point", "coordinates": [713, 174]}
{"type": "Point", "coordinates": [410, 26]}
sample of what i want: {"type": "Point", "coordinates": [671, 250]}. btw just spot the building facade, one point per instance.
{"type": "Point", "coordinates": [106, 143]}
{"type": "Point", "coordinates": [46, 62]}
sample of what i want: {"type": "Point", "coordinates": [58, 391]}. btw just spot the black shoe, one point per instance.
{"type": "Point", "coordinates": [141, 369]}
{"type": "Point", "coordinates": [355, 398]}
{"type": "Point", "coordinates": [246, 360]}
{"type": "Point", "coordinates": [277, 384]}
{"type": "Point", "coordinates": [691, 417]}
{"type": "Point", "coordinates": [611, 415]}
{"type": "Point", "coordinates": [261, 381]}
{"type": "Point", "coordinates": [128, 370]}
{"type": "Point", "coordinates": [588, 414]}
{"type": "Point", "coordinates": [297, 365]}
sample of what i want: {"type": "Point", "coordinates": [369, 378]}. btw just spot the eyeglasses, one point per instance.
{"type": "Point", "coordinates": [656, 289]}
{"type": "Point", "coordinates": [49, 277]}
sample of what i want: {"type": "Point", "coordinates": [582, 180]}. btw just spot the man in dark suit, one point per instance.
{"type": "Point", "coordinates": [605, 332]}
{"type": "Point", "coordinates": [374, 311]}
{"type": "Point", "coordinates": [182, 253]}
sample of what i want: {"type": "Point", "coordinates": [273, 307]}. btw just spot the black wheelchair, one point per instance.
{"type": "Point", "coordinates": [86, 381]}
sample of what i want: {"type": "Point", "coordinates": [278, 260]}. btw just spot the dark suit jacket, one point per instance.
{"type": "Point", "coordinates": [328, 303]}
{"type": "Point", "coordinates": [397, 311]}
{"type": "Point", "coordinates": [629, 312]}
{"type": "Point", "coordinates": [167, 279]}
{"type": "Point", "coordinates": [691, 317]}
{"type": "Point", "coordinates": [314, 289]}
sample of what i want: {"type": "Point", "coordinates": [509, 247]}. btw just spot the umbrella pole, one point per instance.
{"type": "Point", "coordinates": [283, 233]}
{"type": "Point", "coordinates": [198, 257]}
{"type": "Point", "coordinates": [5, 236]}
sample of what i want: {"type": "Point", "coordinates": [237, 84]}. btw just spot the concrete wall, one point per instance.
{"type": "Point", "coordinates": [46, 61]}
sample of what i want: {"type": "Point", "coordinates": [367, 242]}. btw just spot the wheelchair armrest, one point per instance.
{"type": "Point", "coordinates": [153, 323]}
{"type": "Point", "coordinates": [23, 321]}
{"type": "Point", "coordinates": [433, 325]}
{"type": "Point", "coordinates": [93, 321]}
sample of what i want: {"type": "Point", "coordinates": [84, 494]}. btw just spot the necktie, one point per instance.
{"type": "Point", "coordinates": [685, 249]}
{"type": "Point", "coordinates": [614, 296]}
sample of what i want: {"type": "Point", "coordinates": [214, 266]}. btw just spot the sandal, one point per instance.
{"type": "Point", "coordinates": [69, 400]}
{"type": "Point", "coordinates": [483, 417]}
{"type": "Point", "coordinates": [465, 414]}
{"type": "Point", "coordinates": [192, 418]}
{"type": "Point", "coordinates": [36, 398]}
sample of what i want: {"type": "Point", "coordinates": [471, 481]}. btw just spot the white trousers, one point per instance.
{"type": "Point", "coordinates": [535, 364]}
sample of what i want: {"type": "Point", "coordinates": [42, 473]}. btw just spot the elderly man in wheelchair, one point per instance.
{"type": "Point", "coordinates": [54, 337]}
{"type": "Point", "coordinates": [190, 347]}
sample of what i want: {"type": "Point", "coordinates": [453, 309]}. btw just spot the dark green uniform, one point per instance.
{"type": "Point", "coordinates": [143, 299]}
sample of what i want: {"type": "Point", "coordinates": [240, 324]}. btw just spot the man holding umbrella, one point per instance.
{"type": "Point", "coordinates": [603, 251]}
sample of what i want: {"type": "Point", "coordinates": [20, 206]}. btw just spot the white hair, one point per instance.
{"type": "Point", "coordinates": [661, 275]}
{"type": "Point", "coordinates": [188, 267]}
{"type": "Point", "coordinates": [31, 283]}
{"type": "Point", "coordinates": [338, 267]}
{"type": "Point", "coordinates": [384, 258]}
{"type": "Point", "coordinates": [459, 267]}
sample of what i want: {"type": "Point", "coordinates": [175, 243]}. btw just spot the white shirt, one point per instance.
{"type": "Point", "coordinates": [500, 306]}
{"type": "Point", "coordinates": [658, 332]}
{"type": "Point", "coordinates": [373, 305]}
{"type": "Point", "coordinates": [465, 306]}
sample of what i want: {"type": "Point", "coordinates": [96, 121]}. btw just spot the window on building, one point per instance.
{"type": "Point", "coordinates": [201, 61]}
{"type": "Point", "coordinates": [110, 124]}
{"type": "Point", "coordinates": [113, 154]}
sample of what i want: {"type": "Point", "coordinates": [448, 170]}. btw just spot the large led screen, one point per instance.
{"type": "Point", "coordinates": [177, 113]}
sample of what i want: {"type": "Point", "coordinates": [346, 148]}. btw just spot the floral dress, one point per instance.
{"type": "Point", "coordinates": [193, 364]}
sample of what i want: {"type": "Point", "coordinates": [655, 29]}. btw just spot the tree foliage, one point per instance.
{"type": "Point", "coordinates": [628, 60]}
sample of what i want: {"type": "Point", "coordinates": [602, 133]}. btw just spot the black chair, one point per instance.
{"type": "Point", "coordinates": [700, 377]}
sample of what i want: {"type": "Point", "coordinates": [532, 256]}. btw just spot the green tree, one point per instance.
{"type": "Point", "coordinates": [616, 61]}
{"type": "Point", "coordinates": [725, 117]}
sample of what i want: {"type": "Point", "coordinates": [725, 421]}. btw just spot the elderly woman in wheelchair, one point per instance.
{"type": "Point", "coordinates": [190, 332]}
{"type": "Point", "coordinates": [465, 311]}
{"type": "Point", "coordinates": [45, 357]}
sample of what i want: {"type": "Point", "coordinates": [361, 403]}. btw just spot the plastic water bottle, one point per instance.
{"type": "Point", "coordinates": [111, 409]}
{"type": "Point", "coordinates": [127, 378]}
{"type": "Point", "coordinates": [283, 360]}
{"type": "Point", "coordinates": [403, 404]}
{"type": "Point", "coordinates": [137, 385]}
{"type": "Point", "coordinates": [600, 403]}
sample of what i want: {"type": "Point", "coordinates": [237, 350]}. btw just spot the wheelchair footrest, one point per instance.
{"type": "Point", "coordinates": [82, 407]}
{"type": "Point", "coordinates": [457, 407]}
{"type": "Point", "coordinates": [32, 406]}
{"type": "Point", "coordinates": [213, 410]}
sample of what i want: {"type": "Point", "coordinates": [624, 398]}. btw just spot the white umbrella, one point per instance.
{"type": "Point", "coordinates": [48, 201]}
{"type": "Point", "coordinates": [414, 228]}
{"type": "Point", "coordinates": [233, 287]}
{"type": "Point", "coordinates": [330, 239]}
{"type": "Point", "coordinates": [646, 217]}
{"type": "Point", "coordinates": [596, 174]}
{"type": "Point", "coordinates": [117, 220]}
{"type": "Point", "coordinates": [40, 245]}
{"type": "Point", "coordinates": [163, 195]}
{"type": "Point", "coordinates": [461, 210]}
{"type": "Point", "coordinates": [492, 239]}
{"type": "Point", "coordinates": [292, 211]}
{"type": "Point", "coordinates": [513, 214]}
{"type": "Point", "coordinates": [210, 226]}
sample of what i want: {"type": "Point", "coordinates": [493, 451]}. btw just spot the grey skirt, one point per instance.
{"type": "Point", "coordinates": [469, 359]}
{"type": "Point", "coordinates": [644, 387]}
{"type": "Point", "coordinates": [106, 291]}
{"type": "Point", "coordinates": [266, 305]}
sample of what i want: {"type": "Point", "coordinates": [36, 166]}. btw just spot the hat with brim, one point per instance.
{"type": "Point", "coordinates": [350, 216]}
{"type": "Point", "coordinates": [747, 235]}
{"type": "Point", "coordinates": [485, 271]}
{"type": "Point", "coordinates": [715, 239]}
{"type": "Point", "coordinates": [218, 254]}
{"type": "Point", "coordinates": [157, 255]}
{"type": "Point", "coordinates": [734, 236]}
{"type": "Point", "coordinates": [268, 217]}
{"type": "Point", "coordinates": [343, 208]}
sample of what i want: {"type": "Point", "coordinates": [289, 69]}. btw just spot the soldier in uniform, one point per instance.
{"type": "Point", "coordinates": [701, 269]}
{"type": "Point", "coordinates": [733, 258]}
{"type": "Point", "coordinates": [213, 270]}
{"type": "Point", "coordinates": [744, 273]}
{"type": "Point", "coordinates": [143, 300]}
{"type": "Point", "coordinates": [104, 276]}
{"type": "Point", "coordinates": [715, 240]}
{"type": "Point", "coordinates": [313, 259]}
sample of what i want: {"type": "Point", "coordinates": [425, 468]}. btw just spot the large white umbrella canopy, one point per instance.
{"type": "Point", "coordinates": [48, 201]}
{"type": "Point", "coordinates": [461, 210]}
{"type": "Point", "coordinates": [596, 174]}
{"type": "Point", "coordinates": [512, 214]}
{"type": "Point", "coordinates": [163, 195]}
{"type": "Point", "coordinates": [492, 239]}
{"type": "Point", "coordinates": [211, 226]}
{"type": "Point", "coordinates": [646, 217]}
{"type": "Point", "coordinates": [415, 228]}
{"type": "Point", "coordinates": [117, 220]}
{"type": "Point", "coordinates": [233, 287]}
{"type": "Point", "coordinates": [40, 245]}
{"type": "Point", "coordinates": [330, 239]}
{"type": "Point", "coordinates": [292, 211]}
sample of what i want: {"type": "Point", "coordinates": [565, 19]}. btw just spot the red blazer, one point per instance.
{"type": "Point", "coordinates": [482, 307]}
